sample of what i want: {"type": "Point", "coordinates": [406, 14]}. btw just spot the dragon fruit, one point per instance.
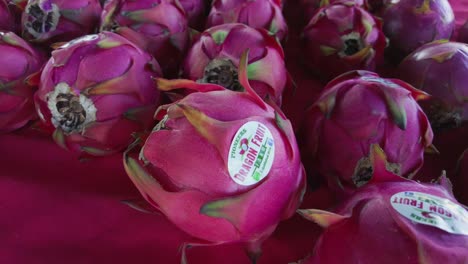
{"type": "Point", "coordinates": [343, 37]}
{"type": "Point", "coordinates": [7, 21]}
{"type": "Point", "coordinates": [265, 14]}
{"type": "Point", "coordinates": [412, 23]}
{"type": "Point", "coordinates": [158, 26]}
{"type": "Point", "coordinates": [238, 172]}
{"type": "Point", "coordinates": [96, 91]}
{"type": "Point", "coordinates": [59, 21]}
{"type": "Point", "coordinates": [439, 68]}
{"type": "Point", "coordinates": [214, 58]}
{"type": "Point", "coordinates": [358, 109]}
{"type": "Point", "coordinates": [392, 220]}
{"type": "Point", "coordinates": [18, 61]}
{"type": "Point", "coordinates": [463, 33]}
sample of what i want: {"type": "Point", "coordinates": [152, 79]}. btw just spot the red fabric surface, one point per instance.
{"type": "Point", "coordinates": [56, 209]}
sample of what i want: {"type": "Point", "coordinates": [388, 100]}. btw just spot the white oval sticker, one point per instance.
{"type": "Point", "coordinates": [251, 154]}
{"type": "Point", "coordinates": [431, 210]}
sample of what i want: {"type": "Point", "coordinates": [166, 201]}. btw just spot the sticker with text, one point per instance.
{"type": "Point", "coordinates": [251, 153]}
{"type": "Point", "coordinates": [431, 210]}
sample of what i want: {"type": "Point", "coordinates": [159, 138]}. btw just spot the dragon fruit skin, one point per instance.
{"type": "Point", "coordinates": [389, 115]}
{"type": "Point", "coordinates": [49, 21]}
{"type": "Point", "coordinates": [370, 227]}
{"type": "Point", "coordinates": [343, 37]}
{"type": "Point", "coordinates": [7, 21]}
{"type": "Point", "coordinates": [265, 14]}
{"type": "Point", "coordinates": [97, 90]}
{"type": "Point", "coordinates": [158, 26]}
{"type": "Point", "coordinates": [202, 197]}
{"type": "Point", "coordinates": [195, 11]}
{"type": "Point", "coordinates": [16, 8]}
{"type": "Point", "coordinates": [214, 58]}
{"type": "Point", "coordinates": [18, 61]}
{"type": "Point", "coordinates": [463, 33]}
{"type": "Point", "coordinates": [439, 68]}
{"type": "Point", "coordinates": [376, 7]}
{"type": "Point", "coordinates": [311, 6]}
{"type": "Point", "coordinates": [412, 23]}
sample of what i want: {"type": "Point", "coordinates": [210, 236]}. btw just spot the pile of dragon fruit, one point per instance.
{"type": "Point", "coordinates": [198, 99]}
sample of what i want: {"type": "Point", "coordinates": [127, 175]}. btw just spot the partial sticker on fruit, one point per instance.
{"type": "Point", "coordinates": [431, 210]}
{"type": "Point", "coordinates": [251, 153]}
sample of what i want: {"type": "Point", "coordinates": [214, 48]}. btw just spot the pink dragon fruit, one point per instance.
{"type": "Point", "coordinates": [58, 20]}
{"type": "Point", "coordinates": [159, 26]}
{"type": "Point", "coordinates": [439, 68]}
{"type": "Point", "coordinates": [265, 14]}
{"type": "Point", "coordinates": [412, 23]}
{"type": "Point", "coordinates": [392, 221]}
{"type": "Point", "coordinates": [18, 61]}
{"type": "Point", "coordinates": [343, 37]}
{"type": "Point", "coordinates": [7, 21]}
{"type": "Point", "coordinates": [214, 58]}
{"type": "Point", "coordinates": [205, 178]}
{"type": "Point", "coordinates": [96, 91]}
{"type": "Point", "coordinates": [463, 33]}
{"type": "Point", "coordinates": [358, 109]}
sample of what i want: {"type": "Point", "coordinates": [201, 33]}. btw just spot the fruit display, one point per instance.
{"type": "Point", "coordinates": [234, 132]}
